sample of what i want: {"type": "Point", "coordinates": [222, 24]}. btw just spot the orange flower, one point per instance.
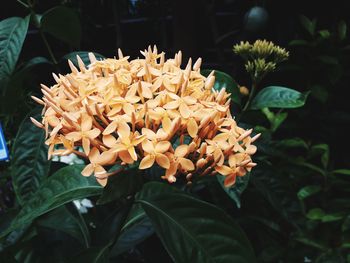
{"type": "Point", "coordinates": [123, 111]}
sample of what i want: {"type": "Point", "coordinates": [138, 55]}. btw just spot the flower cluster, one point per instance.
{"type": "Point", "coordinates": [261, 57]}
{"type": "Point", "coordinates": [146, 110]}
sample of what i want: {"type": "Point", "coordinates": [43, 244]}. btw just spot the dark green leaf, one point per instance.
{"type": "Point", "coordinates": [13, 32]}
{"type": "Point", "coordinates": [84, 55]}
{"type": "Point", "coordinates": [315, 214]}
{"type": "Point", "coordinates": [292, 143]}
{"type": "Point", "coordinates": [195, 231]}
{"type": "Point", "coordinates": [324, 34]}
{"type": "Point", "coordinates": [309, 25]}
{"type": "Point", "coordinates": [223, 80]}
{"type": "Point", "coordinates": [63, 23]}
{"type": "Point", "coordinates": [92, 255]}
{"type": "Point", "coordinates": [322, 149]}
{"type": "Point", "coordinates": [342, 171]}
{"type": "Point", "coordinates": [332, 61]}
{"type": "Point", "coordinates": [121, 185]}
{"type": "Point", "coordinates": [311, 243]}
{"type": "Point", "coordinates": [278, 97]}
{"type": "Point", "coordinates": [29, 159]}
{"type": "Point", "coordinates": [275, 119]}
{"type": "Point", "coordinates": [138, 226]}
{"type": "Point", "coordinates": [235, 191]}
{"type": "Point", "coordinates": [308, 191]}
{"type": "Point", "coordinates": [332, 217]}
{"type": "Point", "coordinates": [62, 187]}
{"type": "Point", "coordinates": [320, 93]}
{"type": "Point", "coordinates": [299, 42]}
{"type": "Point", "coordinates": [342, 28]}
{"type": "Point", "coordinates": [62, 220]}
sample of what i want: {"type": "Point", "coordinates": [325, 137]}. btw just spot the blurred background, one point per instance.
{"type": "Point", "coordinates": [274, 211]}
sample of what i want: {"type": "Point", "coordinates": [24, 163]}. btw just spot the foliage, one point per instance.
{"type": "Point", "coordinates": [292, 208]}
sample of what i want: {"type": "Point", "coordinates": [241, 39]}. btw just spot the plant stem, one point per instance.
{"type": "Point", "coordinates": [251, 95]}
{"type": "Point", "coordinates": [48, 46]}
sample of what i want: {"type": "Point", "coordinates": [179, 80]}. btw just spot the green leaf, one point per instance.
{"type": "Point", "coordinates": [275, 119]}
{"type": "Point", "coordinates": [235, 191]}
{"type": "Point", "coordinates": [309, 25]}
{"type": "Point", "coordinates": [342, 28]}
{"type": "Point", "coordinates": [62, 220]}
{"type": "Point", "coordinates": [324, 34]}
{"type": "Point", "coordinates": [138, 226]}
{"type": "Point", "coordinates": [92, 255]}
{"type": "Point", "coordinates": [195, 231]}
{"type": "Point", "coordinates": [64, 186]}
{"type": "Point", "coordinates": [342, 171]}
{"type": "Point", "coordinates": [84, 55]}
{"type": "Point", "coordinates": [292, 143]}
{"type": "Point", "coordinates": [223, 80]}
{"type": "Point", "coordinates": [278, 97]}
{"type": "Point", "coordinates": [332, 61]}
{"type": "Point", "coordinates": [299, 42]}
{"type": "Point", "coordinates": [311, 243]}
{"type": "Point", "coordinates": [63, 23]}
{"type": "Point", "coordinates": [308, 191]}
{"type": "Point", "coordinates": [320, 93]}
{"type": "Point", "coordinates": [322, 149]}
{"type": "Point", "coordinates": [332, 217]}
{"type": "Point", "coordinates": [121, 185]}
{"type": "Point", "coordinates": [29, 166]}
{"type": "Point", "coordinates": [13, 32]}
{"type": "Point", "coordinates": [315, 214]}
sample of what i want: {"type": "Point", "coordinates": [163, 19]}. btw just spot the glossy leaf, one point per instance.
{"type": "Point", "coordinates": [63, 220]}
{"type": "Point", "coordinates": [138, 226]}
{"type": "Point", "coordinates": [315, 214]}
{"type": "Point", "coordinates": [64, 186]}
{"type": "Point", "coordinates": [29, 159]}
{"type": "Point", "coordinates": [223, 80]}
{"type": "Point", "coordinates": [84, 55]}
{"type": "Point", "coordinates": [235, 191]}
{"type": "Point", "coordinates": [13, 32]}
{"type": "Point", "coordinates": [121, 185]}
{"type": "Point", "coordinates": [342, 29]}
{"type": "Point", "coordinates": [309, 25]}
{"type": "Point", "coordinates": [308, 191]}
{"type": "Point", "coordinates": [63, 23]}
{"type": "Point", "coordinates": [278, 97]}
{"type": "Point", "coordinates": [342, 171]}
{"type": "Point", "coordinates": [195, 231]}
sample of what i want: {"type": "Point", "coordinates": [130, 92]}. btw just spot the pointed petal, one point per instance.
{"type": "Point", "coordinates": [147, 146]}
{"type": "Point", "coordinates": [110, 128]}
{"type": "Point", "coordinates": [184, 110]}
{"type": "Point", "coordinates": [86, 145]}
{"type": "Point", "coordinates": [186, 164]}
{"type": "Point", "coordinates": [162, 160]}
{"type": "Point", "coordinates": [172, 105]}
{"type": "Point", "coordinates": [223, 170]}
{"type": "Point", "coordinates": [109, 140]}
{"type": "Point", "coordinates": [181, 150]}
{"type": "Point", "coordinates": [86, 122]}
{"type": "Point", "coordinates": [88, 170]}
{"type": "Point", "coordinates": [147, 162]}
{"type": "Point", "coordinates": [123, 130]}
{"type": "Point", "coordinates": [92, 134]}
{"type": "Point", "coordinates": [192, 128]}
{"type": "Point", "coordinates": [74, 136]}
{"type": "Point", "coordinates": [125, 157]}
{"type": "Point", "coordinates": [162, 147]}
{"type": "Point", "coordinates": [132, 153]}
{"type": "Point", "coordinates": [230, 180]}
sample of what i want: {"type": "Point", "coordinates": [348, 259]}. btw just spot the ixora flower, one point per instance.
{"type": "Point", "coordinates": [149, 111]}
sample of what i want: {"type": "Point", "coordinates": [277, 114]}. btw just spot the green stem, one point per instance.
{"type": "Point", "coordinates": [24, 4]}
{"type": "Point", "coordinates": [251, 95]}
{"type": "Point", "coordinates": [48, 46]}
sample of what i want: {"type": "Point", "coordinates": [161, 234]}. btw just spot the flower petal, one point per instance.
{"type": "Point", "coordinates": [171, 105]}
{"type": "Point", "coordinates": [125, 157]}
{"type": "Point", "coordinates": [147, 161]}
{"type": "Point", "coordinates": [74, 136]}
{"type": "Point", "coordinates": [162, 146]}
{"type": "Point", "coordinates": [186, 164]}
{"type": "Point", "coordinates": [110, 128]}
{"type": "Point", "coordinates": [147, 146]}
{"type": "Point", "coordinates": [162, 160]}
{"type": "Point", "coordinates": [86, 145]}
{"type": "Point", "coordinates": [109, 140]}
{"type": "Point", "coordinates": [132, 153]}
{"type": "Point", "coordinates": [192, 128]}
{"type": "Point", "coordinates": [92, 134]}
{"type": "Point", "coordinates": [223, 170]}
{"type": "Point", "coordinates": [86, 122]}
{"type": "Point", "coordinates": [184, 110]}
{"type": "Point", "coordinates": [123, 130]}
{"type": "Point", "coordinates": [88, 170]}
{"type": "Point", "coordinates": [181, 150]}
{"type": "Point", "coordinates": [230, 180]}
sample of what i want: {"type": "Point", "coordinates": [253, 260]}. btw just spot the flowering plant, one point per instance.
{"type": "Point", "coordinates": [120, 112]}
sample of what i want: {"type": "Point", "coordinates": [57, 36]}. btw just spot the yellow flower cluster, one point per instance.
{"type": "Point", "coordinates": [146, 110]}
